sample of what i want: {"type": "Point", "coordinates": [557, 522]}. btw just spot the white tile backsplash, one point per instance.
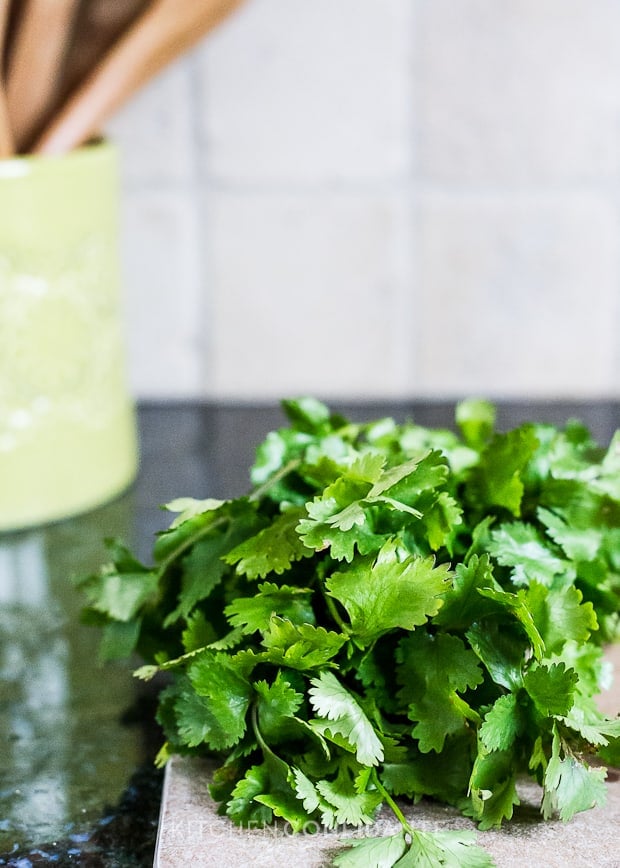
{"type": "Point", "coordinates": [518, 92]}
{"type": "Point", "coordinates": [521, 296]}
{"type": "Point", "coordinates": [307, 293]}
{"type": "Point", "coordinates": [379, 198]}
{"type": "Point", "coordinates": [296, 92]}
{"type": "Point", "coordinates": [164, 295]}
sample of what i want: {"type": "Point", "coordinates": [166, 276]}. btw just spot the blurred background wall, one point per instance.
{"type": "Point", "coordinates": [379, 198]}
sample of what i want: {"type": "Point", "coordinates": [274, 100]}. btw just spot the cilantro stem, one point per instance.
{"type": "Point", "coordinates": [256, 730]}
{"type": "Point", "coordinates": [277, 476]}
{"type": "Point", "coordinates": [187, 543]}
{"type": "Point", "coordinates": [333, 611]}
{"type": "Point", "coordinates": [392, 804]}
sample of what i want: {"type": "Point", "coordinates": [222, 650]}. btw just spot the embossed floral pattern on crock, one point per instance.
{"type": "Point", "coordinates": [61, 343]}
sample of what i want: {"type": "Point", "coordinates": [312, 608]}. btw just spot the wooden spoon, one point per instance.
{"type": "Point", "coordinates": [35, 64]}
{"type": "Point", "coordinates": [98, 25]}
{"type": "Point", "coordinates": [6, 137]}
{"type": "Point", "coordinates": [158, 36]}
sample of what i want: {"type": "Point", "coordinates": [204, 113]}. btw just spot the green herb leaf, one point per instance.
{"type": "Point", "coordinates": [348, 806]}
{"type": "Point", "coordinates": [570, 786]}
{"type": "Point", "coordinates": [497, 480]}
{"type": "Point", "coordinates": [273, 549]}
{"type": "Point", "coordinates": [551, 688]}
{"type": "Point", "coordinates": [521, 547]}
{"type": "Point", "coordinates": [300, 646]}
{"type": "Point", "coordinates": [391, 591]}
{"type": "Point", "coordinates": [379, 852]}
{"type": "Point", "coordinates": [121, 588]}
{"type": "Point", "coordinates": [255, 613]}
{"type": "Point", "coordinates": [335, 704]}
{"type": "Point", "coordinates": [277, 704]}
{"type": "Point", "coordinates": [502, 723]}
{"type": "Point", "coordinates": [432, 669]}
{"type": "Point", "coordinates": [214, 710]}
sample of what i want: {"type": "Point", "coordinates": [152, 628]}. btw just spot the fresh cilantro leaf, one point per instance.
{"type": "Point", "coordinates": [432, 669]}
{"type": "Point", "coordinates": [284, 804]}
{"type": "Point", "coordinates": [337, 519]}
{"type": "Point", "coordinates": [594, 727]}
{"type": "Point", "coordinates": [202, 572]}
{"type": "Point", "coordinates": [189, 507]}
{"type": "Point", "coordinates": [441, 519]}
{"type": "Point", "coordinates": [373, 671]}
{"type": "Point", "coordinates": [476, 419]}
{"type": "Point", "coordinates": [561, 615]}
{"type": "Point", "coordinates": [308, 414]}
{"type": "Point", "coordinates": [493, 788]}
{"type": "Point", "coordinates": [444, 775]}
{"type": "Point", "coordinates": [255, 613]}
{"type": "Point", "coordinates": [610, 753]}
{"type": "Point", "coordinates": [516, 605]}
{"type": "Point", "coordinates": [198, 632]}
{"type": "Point", "coordinates": [579, 544]}
{"type": "Point", "coordinates": [520, 546]}
{"type": "Point", "coordinates": [120, 593]}
{"type": "Point", "coordinates": [389, 592]}
{"type": "Point", "coordinates": [501, 650]}
{"type": "Point", "coordinates": [300, 646]}
{"type": "Point", "coordinates": [454, 849]}
{"type": "Point", "coordinates": [273, 549]}
{"type": "Point", "coordinates": [342, 531]}
{"type": "Point", "coordinates": [119, 639]}
{"type": "Point", "coordinates": [496, 481]}
{"type": "Point", "coordinates": [423, 850]}
{"type": "Point", "coordinates": [586, 659]}
{"type": "Point", "coordinates": [274, 453]}
{"type": "Point", "coordinates": [215, 710]}
{"type": "Point", "coordinates": [503, 723]}
{"type": "Point", "coordinates": [498, 805]}
{"type": "Point", "coordinates": [306, 791]}
{"type": "Point", "coordinates": [463, 605]}
{"type": "Point", "coordinates": [276, 706]}
{"type": "Point", "coordinates": [197, 725]}
{"type": "Point", "coordinates": [242, 808]}
{"type": "Point", "coordinates": [334, 703]}
{"type": "Point", "coordinates": [406, 483]}
{"type": "Point", "coordinates": [381, 852]}
{"type": "Point", "coordinates": [571, 786]}
{"type": "Point", "coordinates": [341, 518]}
{"type": "Point", "coordinates": [175, 541]}
{"type": "Point", "coordinates": [608, 481]}
{"type": "Point", "coordinates": [551, 687]}
{"type": "Point", "coordinates": [349, 807]}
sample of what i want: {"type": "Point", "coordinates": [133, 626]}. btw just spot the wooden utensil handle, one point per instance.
{"type": "Point", "coordinates": [35, 62]}
{"type": "Point", "coordinates": [160, 34]}
{"type": "Point", "coordinates": [7, 145]}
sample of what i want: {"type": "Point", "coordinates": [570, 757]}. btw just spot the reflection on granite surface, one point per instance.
{"type": "Point", "coordinates": [78, 738]}
{"type": "Point", "coordinates": [66, 752]}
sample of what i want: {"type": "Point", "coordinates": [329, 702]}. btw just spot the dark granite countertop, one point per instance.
{"type": "Point", "coordinates": [77, 783]}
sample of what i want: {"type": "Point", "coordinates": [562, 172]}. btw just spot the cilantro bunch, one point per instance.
{"type": "Point", "coordinates": [393, 612]}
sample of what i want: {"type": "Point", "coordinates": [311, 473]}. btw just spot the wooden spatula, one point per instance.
{"type": "Point", "coordinates": [165, 30]}
{"type": "Point", "coordinates": [35, 63]}
{"type": "Point", "coordinates": [6, 137]}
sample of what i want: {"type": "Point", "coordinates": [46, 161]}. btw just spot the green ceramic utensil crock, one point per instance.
{"type": "Point", "coordinates": [67, 422]}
